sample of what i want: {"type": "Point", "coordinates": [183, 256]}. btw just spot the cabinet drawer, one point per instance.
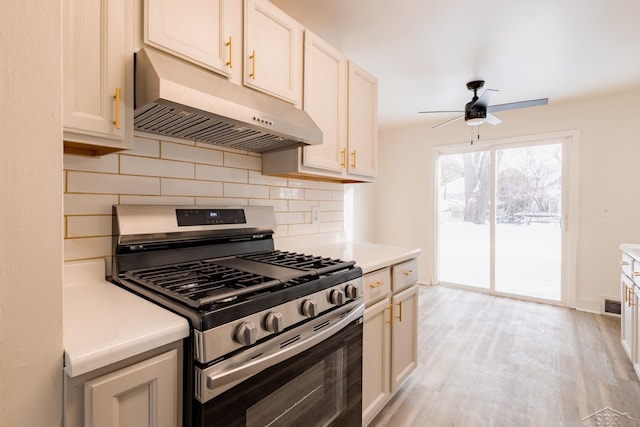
{"type": "Point", "coordinates": [377, 285]}
{"type": "Point", "coordinates": [405, 274]}
{"type": "Point", "coordinates": [627, 265]}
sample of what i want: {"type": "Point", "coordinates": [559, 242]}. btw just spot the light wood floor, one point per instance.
{"type": "Point", "coordinates": [492, 361]}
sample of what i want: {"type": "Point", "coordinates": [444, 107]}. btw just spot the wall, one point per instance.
{"type": "Point", "coordinates": [609, 149]}
{"type": "Point", "coordinates": [31, 214]}
{"type": "Point", "coordinates": [163, 172]}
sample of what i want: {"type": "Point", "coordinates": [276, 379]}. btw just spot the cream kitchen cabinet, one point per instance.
{"type": "Point", "coordinates": [143, 391]}
{"type": "Point", "coordinates": [630, 298]}
{"type": "Point", "coordinates": [272, 51]}
{"type": "Point", "coordinates": [97, 76]}
{"type": "Point", "coordinates": [390, 337]}
{"type": "Point", "coordinates": [341, 98]}
{"type": "Point", "coordinates": [207, 32]}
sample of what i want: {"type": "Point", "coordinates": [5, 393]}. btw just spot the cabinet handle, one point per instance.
{"type": "Point", "coordinates": [390, 308]}
{"type": "Point", "coordinates": [253, 64]}
{"type": "Point", "coordinates": [624, 263]}
{"type": "Point", "coordinates": [636, 273]}
{"type": "Point", "coordinates": [399, 317]}
{"type": "Point", "coordinates": [408, 272]}
{"type": "Point", "coordinates": [626, 293]}
{"type": "Point", "coordinates": [230, 61]}
{"type": "Point", "coordinates": [354, 154]}
{"type": "Point", "coordinates": [116, 122]}
{"type": "Point", "coordinates": [376, 285]}
{"type": "Point", "coordinates": [344, 157]}
{"type": "Point", "coordinates": [630, 303]}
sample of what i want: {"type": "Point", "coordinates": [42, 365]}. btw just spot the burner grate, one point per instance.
{"type": "Point", "coordinates": [202, 282]}
{"type": "Point", "coordinates": [321, 265]}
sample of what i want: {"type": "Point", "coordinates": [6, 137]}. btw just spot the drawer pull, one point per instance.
{"type": "Point", "coordinates": [624, 263]}
{"type": "Point", "coordinates": [636, 273]}
{"type": "Point", "coordinates": [409, 272]}
{"type": "Point", "coordinates": [376, 285]}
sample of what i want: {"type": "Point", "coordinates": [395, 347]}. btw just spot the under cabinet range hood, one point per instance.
{"type": "Point", "coordinates": [176, 99]}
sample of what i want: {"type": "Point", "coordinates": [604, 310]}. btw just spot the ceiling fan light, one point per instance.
{"type": "Point", "coordinates": [475, 122]}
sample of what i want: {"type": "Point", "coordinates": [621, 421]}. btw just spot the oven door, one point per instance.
{"type": "Point", "coordinates": [314, 379]}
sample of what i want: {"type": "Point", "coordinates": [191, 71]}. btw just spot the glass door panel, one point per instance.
{"type": "Point", "coordinates": [464, 193]}
{"type": "Point", "coordinates": [528, 234]}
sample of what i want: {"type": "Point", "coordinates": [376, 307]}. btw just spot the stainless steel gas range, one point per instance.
{"type": "Point", "coordinates": [276, 336]}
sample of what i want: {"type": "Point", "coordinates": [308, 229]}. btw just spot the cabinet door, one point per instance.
{"type": "Point", "coordinates": [404, 337]}
{"type": "Point", "coordinates": [376, 359]}
{"type": "Point", "coordinates": [273, 51]}
{"type": "Point", "coordinates": [144, 394]}
{"type": "Point", "coordinates": [362, 122]}
{"type": "Point", "coordinates": [628, 319]}
{"type": "Point", "coordinates": [97, 73]}
{"type": "Point", "coordinates": [199, 32]}
{"type": "Point", "coordinates": [325, 99]}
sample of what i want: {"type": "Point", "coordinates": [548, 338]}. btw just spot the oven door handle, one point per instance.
{"type": "Point", "coordinates": [223, 380]}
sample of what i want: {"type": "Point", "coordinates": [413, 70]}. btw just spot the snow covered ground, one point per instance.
{"type": "Point", "coordinates": [528, 257]}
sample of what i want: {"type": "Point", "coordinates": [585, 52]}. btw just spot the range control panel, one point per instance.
{"type": "Point", "coordinates": [190, 217]}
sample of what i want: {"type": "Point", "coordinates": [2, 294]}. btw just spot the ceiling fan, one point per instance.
{"type": "Point", "coordinates": [478, 111]}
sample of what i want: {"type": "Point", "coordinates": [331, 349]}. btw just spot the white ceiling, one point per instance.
{"type": "Point", "coordinates": [424, 51]}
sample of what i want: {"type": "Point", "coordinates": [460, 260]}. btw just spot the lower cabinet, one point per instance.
{"type": "Point", "coordinates": [629, 310]}
{"type": "Point", "coordinates": [390, 341]}
{"type": "Point", "coordinates": [141, 391]}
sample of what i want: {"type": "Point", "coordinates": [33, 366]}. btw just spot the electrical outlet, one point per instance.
{"type": "Point", "coordinates": [315, 214]}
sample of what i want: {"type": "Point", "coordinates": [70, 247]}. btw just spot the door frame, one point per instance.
{"type": "Point", "coordinates": [570, 203]}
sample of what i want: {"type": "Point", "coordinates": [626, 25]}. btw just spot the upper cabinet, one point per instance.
{"type": "Point", "coordinates": [201, 32]}
{"type": "Point", "coordinates": [342, 98]}
{"type": "Point", "coordinates": [97, 76]}
{"type": "Point", "coordinates": [325, 99]}
{"type": "Point", "coordinates": [272, 51]}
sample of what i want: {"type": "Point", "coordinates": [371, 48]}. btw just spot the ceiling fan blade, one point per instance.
{"type": "Point", "coordinates": [492, 120]}
{"type": "Point", "coordinates": [516, 105]}
{"type": "Point", "coordinates": [447, 111]}
{"type": "Point", "coordinates": [485, 98]}
{"type": "Point", "coordinates": [448, 121]}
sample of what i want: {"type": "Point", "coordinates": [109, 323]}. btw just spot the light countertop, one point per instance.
{"type": "Point", "coordinates": [104, 324]}
{"type": "Point", "coordinates": [368, 256]}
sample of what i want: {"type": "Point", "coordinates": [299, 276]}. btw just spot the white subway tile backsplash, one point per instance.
{"type": "Point", "coordinates": [185, 187]}
{"type": "Point", "coordinates": [89, 226]}
{"type": "Point", "coordinates": [246, 190]}
{"type": "Point", "coordinates": [189, 153]}
{"type": "Point", "coordinates": [317, 194]}
{"type": "Point", "coordinates": [89, 204]}
{"type": "Point", "coordinates": [145, 147]}
{"type": "Point", "coordinates": [108, 163]}
{"type": "Point", "coordinates": [244, 161]}
{"type": "Point", "coordinates": [157, 200]}
{"type": "Point", "coordinates": [133, 165]}
{"type": "Point", "coordinates": [87, 182]}
{"type": "Point", "coordinates": [286, 193]}
{"type": "Point", "coordinates": [220, 173]}
{"type": "Point", "coordinates": [174, 173]}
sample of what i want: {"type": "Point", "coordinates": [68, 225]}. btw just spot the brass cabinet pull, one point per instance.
{"type": "Point", "coordinates": [630, 303]}
{"type": "Point", "coordinates": [626, 293]}
{"type": "Point", "coordinates": [116, 122]}
{"type": "Point", "coordinates": [230, 61]}
{"type": "Point", "coordinates": [399, 317]}
{"type": "Point", "coordinates": [376, 285]}
{"type": "Point", "coordinates": [390, 308]}
{"type": "Point", "coordinates": [624, 263]}
{"type": "Point", "coordinates": [344, 157]}
{"type": "Point", "coordinates": [636, 273]}
{"type": "Point", "coordinates": [354, 154]}
{"type": "Point", "coordinates": [408, 272]}
{"type": "Point", "coordinates": [253, 64]}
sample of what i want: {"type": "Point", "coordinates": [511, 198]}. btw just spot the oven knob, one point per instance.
{"type": "Point", "coordinates": [309, 308]}
{"type": "Point", "coordinates": [336, 297]}
{"type": "Point", "coordinates": [274, 322]}
{"type": "Point", "coordinates": [351, 291]}
{"type": "Point", "coordinates": [246, 333]}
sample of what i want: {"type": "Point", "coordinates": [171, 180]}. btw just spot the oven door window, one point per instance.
{"type": "Point", "coordinates": [319, 387]}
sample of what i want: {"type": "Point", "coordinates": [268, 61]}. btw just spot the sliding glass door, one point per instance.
{"type": "Point", "coordinates": [500, 218]}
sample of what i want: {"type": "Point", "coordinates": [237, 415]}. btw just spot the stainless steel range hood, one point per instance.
{"type": "Point", "coordinates": [176, 99]}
